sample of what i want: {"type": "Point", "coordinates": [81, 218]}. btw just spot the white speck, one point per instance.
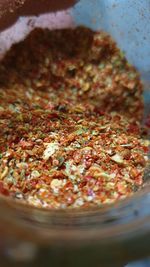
{"type": "Point", "coordinates": [44, 204]}
{"type": "Point", "coordinates": [56, 184]}
{"type": "Point", "coordinates": [22, 165]}
{"type": "Point", "coordinates": [117, 158]}
{"type": "Point", "coordinates": [89, 198]}
{"type": "Point", "coordinates": [127, 145]}
{"type": "Point", "coordinates": [78, 203]}
{"type": "Point", "coordinates": [64, 181]}
{"type": "Point", "coordinates": [7, 154]}
{"type": "Point", "coordinates": [146, 158]}
{"type": "Point", "coordinates": [73, 171]}
{"type": "Point", "coordinates": [109, 151]}
{"type": "Point", "coordinates": [33, 200]}
{"type": "Point", "coordinates": [42, 190]}
{"type": "Point", "coordinates": [112, 175]}
{"type": "Point", "coordinates": [50, 150]}
{"type": "Point", "coordinates": [75, 188]}
{"type": "Point", "coordinates": [29, 95]}
{"type": "Point", "coordinates": [35, 174]}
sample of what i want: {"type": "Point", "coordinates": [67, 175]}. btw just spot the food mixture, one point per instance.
{"type": "Point", "coordinates": [70, 111]}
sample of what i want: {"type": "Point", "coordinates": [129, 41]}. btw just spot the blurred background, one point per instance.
{"type": "Point", "coordinates": [132, 36]}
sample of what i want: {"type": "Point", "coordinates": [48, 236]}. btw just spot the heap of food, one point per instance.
{"type": "Point", "coordinates": [70, 111]}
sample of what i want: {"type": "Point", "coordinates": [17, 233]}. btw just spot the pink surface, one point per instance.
{"type": "Point", "coordinates": [25, 25]}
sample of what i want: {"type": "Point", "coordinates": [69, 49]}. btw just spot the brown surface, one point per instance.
{"type": "Point", "coordinates": [11, 9]}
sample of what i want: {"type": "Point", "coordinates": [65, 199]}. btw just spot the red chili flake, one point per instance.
{"type": "Point", "coordinates": [133, 128]}
{"type": "Point", "coordinates": [53, 116]}
{"type": "Point", "coordinates": [33, 183]}
{"type": "Point", "coordinates": [25, 144]}
{"type": "Point", "coordinates": [88, 177]}
{"type": "Point", "coordinates": [69, 121]}
{"type": "Point", "coordinates": [3, 190]}
{"type": "Point", "coordinates": [145, 149]}
{"type": "Point", "coordinates": [82, 184]}
{"type": "Point", "coordinates": [99, 111]}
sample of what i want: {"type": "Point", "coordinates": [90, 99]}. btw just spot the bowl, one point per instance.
{"type": "Point", "coordinates": [114, 234]}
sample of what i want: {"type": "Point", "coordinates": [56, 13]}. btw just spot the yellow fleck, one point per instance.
{"type": "Point", "coordinates": [4, 173]}
{"type": "Point", "coordinates": [56, 183]}
{"type": "Point", "coordinates": [86, 87]}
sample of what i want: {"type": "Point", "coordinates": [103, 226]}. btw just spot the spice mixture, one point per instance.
{"type": "Point", "coordinates": [70, 110]}
{"type": "Point", "coordinates": [74, 66]}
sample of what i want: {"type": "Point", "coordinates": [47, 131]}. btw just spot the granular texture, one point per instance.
{"type": "Point", "coordinates": [76, 65]}
{"type": "Point", "coordinates": [67, 137]}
